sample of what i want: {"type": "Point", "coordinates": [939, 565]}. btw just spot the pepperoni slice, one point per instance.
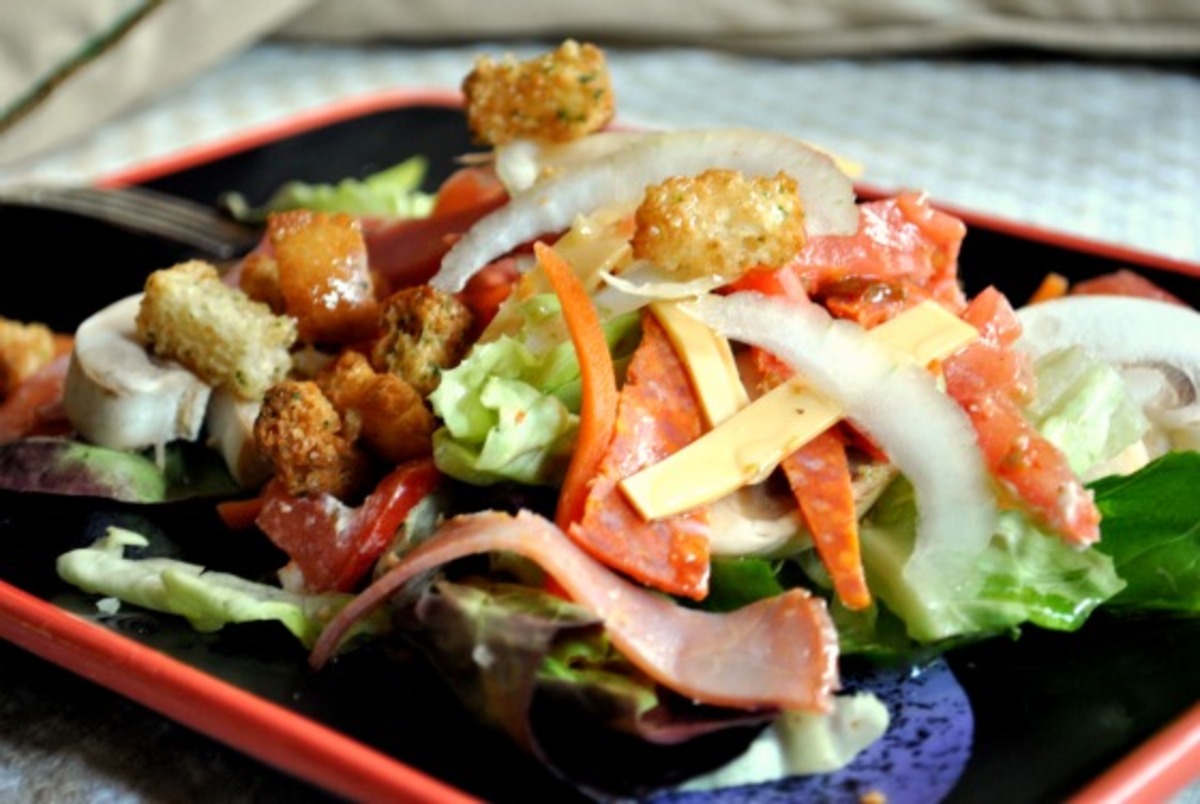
{"type": "Point", "coordinates": [657, 414]}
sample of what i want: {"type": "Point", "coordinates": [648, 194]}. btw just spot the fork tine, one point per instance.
{"type": "Point", "coordinates": [143, 210]}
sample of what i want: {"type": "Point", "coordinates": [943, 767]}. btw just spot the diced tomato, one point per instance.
{"type": "Point", "coordinates": [467, 188]}
{"type": "Point", "coordinates": [332, 545]}
{"type": "Point", "coordinates": [487, 290]}
{"type": "Point", "coordinates": [903, 242]}
{"type": "Point", "coordinates": [35, 406]}
{"type": "Point", "coordinates": [1125, 283]}
{"type": "Point", "coordinates": [769, 282]}
{"type": "Point", "coordinates": [989, 380]}
{"type": "Point", "coordinates": [408, 252]}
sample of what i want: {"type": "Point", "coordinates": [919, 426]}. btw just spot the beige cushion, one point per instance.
{"type": "Point", "coordinates": [68, 65]}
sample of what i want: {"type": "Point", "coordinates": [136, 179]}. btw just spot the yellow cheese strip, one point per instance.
{"type": "Point", "coordinates": [747, 446]}
{"type": "Point", "coordinates": [708, 359]}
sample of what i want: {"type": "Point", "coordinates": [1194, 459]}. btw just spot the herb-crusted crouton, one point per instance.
{"type": "Point", "coordinates": [302, 435]}
{"type": "Point", "coordinates": [189, 315]}
{"type": "Point", "coordinates": [24, 348]}
{"type": "Point", "coordinates": [559, 96]}
{"type": "Point", "coordinates": [388, 413]}
{"type": "Point", "coordinates": [719, 223]}
{"type": "Point", "coordinates": [425, 330]}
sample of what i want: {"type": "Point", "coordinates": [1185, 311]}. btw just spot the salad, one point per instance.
{"type": "Point", "coordinates": [667, 429]}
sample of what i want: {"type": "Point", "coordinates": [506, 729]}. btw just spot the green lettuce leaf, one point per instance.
{"type": "Point", "coordinates": [208, 600]}
{"type": "Point", "coordinates": [1083, 407]}
{"type": "Point", "coordinates": [1024, 576]}
{"type": "Point", "coordinates": [1150, 527]}
{"type": "Point", "coordinates": [391, 193]}
{"type": "Point", "coordinates": [496, 425]}
{"type": "Point", "coordinates": [509, 410]}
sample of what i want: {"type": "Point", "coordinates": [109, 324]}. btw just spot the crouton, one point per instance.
{"type": "Point", "coordinates": [189, 315]}
{"type": "Point", "coordinates": [559, 96]}
{"type": "Point", "coordinates": [424, 331]}
{"type": "Point", "coordinates": [719, 223]}
{"type": "Point", "coordinates": [259, 279]}
{"type": "Point", "coordinates": [387, 413]}
{"type": "Point", "coordinates": [324, 277]}
{"type": "Point", "coordinates": [24, 348]}
{"type": "Point", "coordinates": [302, 435]}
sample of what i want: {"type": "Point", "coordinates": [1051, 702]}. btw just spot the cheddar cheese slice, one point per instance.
{"type": "Point", "coordinates": [708, 359]}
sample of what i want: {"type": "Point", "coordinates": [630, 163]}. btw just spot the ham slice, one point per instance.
{"type": "Point", "coordinates": [780, 652]}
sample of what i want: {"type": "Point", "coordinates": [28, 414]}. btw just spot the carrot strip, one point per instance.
{"type": "Point", "coordinates": [240, 514]}
{"type": "Point", "coordinates": [598, 409]}
{"type": "Point", "coordinates": [1053, 286]}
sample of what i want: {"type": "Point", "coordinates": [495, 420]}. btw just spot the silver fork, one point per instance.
{"type": "Point", "coordinates": [145, 211]}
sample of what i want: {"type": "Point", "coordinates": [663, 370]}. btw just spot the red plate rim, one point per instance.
{"type": "Point", "coordinates": [1162, 765]}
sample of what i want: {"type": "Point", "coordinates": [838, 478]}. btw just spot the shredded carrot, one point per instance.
{"type": "Point", "coordinates": [1053, 286]}
{"type": "Point", "coordinates": [240, 514]}
{"type": "Point", "coordinates": [598, 409]}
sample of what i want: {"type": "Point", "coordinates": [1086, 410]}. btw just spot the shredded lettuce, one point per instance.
{"type": "Point", "coordinates": [1084, 408]}
{"type": "Point", "coordinates": [496, 425]}
{"type": "Point", "coordinates": [391, 193]}
{"type": "Point", "coordinates": [208, 600]}
{"type": "Point", "coordinates": [509, 410]}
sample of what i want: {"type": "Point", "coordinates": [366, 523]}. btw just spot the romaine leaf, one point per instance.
{"type": "Point", "coordinates": [1151, 529]}
{"type": "Point", "coordinates": [737, 582]}
{"type": "Point", "coordinates": [1024, 576]}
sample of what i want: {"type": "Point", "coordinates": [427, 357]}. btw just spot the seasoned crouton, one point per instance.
{"type": "Point", "coordinates": [559, 96]}
{"type": "Point", "coordinates": [301, 434]}
{"type": "Point", "coordinates": [24, 348]}
{"type": "Point", "coordinates": [259, 279]}
{"type": "Point", "coordinates": [719, 223]}
{"type": "Point", "coordinates": [389, 416]}
{"type": "Point", "coordinates": [188, 314]}
{"type": "Point", "coordinates": [323, 274]}
{"type": "Point", "coordinates": [425, 331]}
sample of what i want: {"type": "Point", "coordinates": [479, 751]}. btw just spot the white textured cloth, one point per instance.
{"type": "Point", "coordinates": [1109, 151]}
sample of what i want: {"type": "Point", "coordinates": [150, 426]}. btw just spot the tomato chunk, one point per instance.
{"type": "Point", "coordinates": [332, 545]}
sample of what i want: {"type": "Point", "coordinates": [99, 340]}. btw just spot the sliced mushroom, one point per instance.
{"type": "Point", "coordinates": [230, 427]}
{"type": "Point", "coordinates": [118, 395]}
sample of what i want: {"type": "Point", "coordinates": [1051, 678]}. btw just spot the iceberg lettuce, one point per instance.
{"type": "Point", "coordinates": [509, 410]}
{"type": "Point", "coordinates": [1084, 408]}
{"type": "Point", "coordinates": [209, 600]}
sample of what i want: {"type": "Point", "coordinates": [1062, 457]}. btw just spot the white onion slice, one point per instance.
{"type": "Point", "coordinates": [621, 177]}
{"type": "Point", "coordinates": [644, 282]}
{"type": "Point", "coordinates": [522, 163]}
{"type": "Point", "coordinates": [926, 435]}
